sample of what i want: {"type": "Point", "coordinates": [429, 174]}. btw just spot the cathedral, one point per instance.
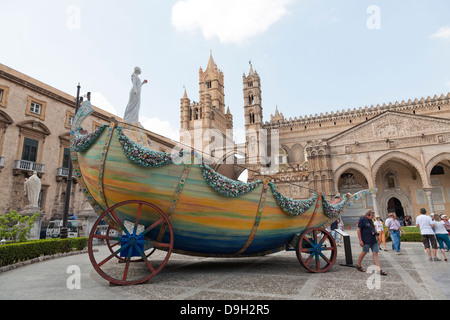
{"type": "Point", "coordinates": [400, 148]}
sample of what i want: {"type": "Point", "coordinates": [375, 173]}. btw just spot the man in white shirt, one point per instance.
{"type": "Point", "coordinates": [425, 223]}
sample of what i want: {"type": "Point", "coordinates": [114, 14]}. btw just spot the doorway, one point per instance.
{"type": "Point", "coordinates": [394, 205]}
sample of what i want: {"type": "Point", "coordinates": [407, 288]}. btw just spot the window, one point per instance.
{"type": "Point", "coordinates": [437, 170]}
{"type": "Point", "coordinates": [3, 96]}
{"type": "Point", "coordinates": [30, 149]}
{"type": "Point", "coordinates": [66, 158]}
{"type": "Point", "coordinates": [282, 156]}
{"type": "Point", "coordinates": [69, 119]}
{"type": "Point", "coordinates": [96, 125]}
{"type": "Point", "coordinates": [208, 84]}
{"type": "Point", "coordinates": [35, 108]}
{"type": "Point", "coordinates": [196, 114]}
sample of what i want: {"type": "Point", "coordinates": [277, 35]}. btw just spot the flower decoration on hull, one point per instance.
{"type": "Point", "coordinates": [225, 186]}
{"type": "Point", "coordinates": [82, 142]}
{"type": "Point", "coordinates": [333, 211]}
{"type": "Point", "coordinates": [140, 155]}
{"type": "Point", "coordinates": [291, 206]}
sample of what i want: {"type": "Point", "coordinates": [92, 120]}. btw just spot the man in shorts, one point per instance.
{"type": "Point", "coordinates": [367, 236]}
{"type": "Point", "coordinates": [425, 223]}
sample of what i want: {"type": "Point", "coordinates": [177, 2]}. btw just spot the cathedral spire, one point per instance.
{"type": "Point", "coordinates": [211, 63]}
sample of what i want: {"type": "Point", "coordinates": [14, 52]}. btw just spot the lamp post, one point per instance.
{"type": "Point", "coordinates": [64, 230]}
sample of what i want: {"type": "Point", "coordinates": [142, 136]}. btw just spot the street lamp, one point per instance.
{"type": "Point", "coordinates": [64, 230]}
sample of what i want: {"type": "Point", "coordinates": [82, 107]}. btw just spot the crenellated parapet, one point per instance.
{"type": "Point", "coordinates": [426, 106]}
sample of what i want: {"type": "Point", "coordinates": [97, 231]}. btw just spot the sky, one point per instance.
{"type": "Point", "coordinates": [313, 56]}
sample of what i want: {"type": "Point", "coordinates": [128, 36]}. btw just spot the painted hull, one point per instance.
{"type": "Point", "coordinates": [204, 221]}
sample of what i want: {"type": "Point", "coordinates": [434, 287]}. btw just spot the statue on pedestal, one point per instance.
{"type": "Point", "coordinates": [134, 103]}
{"type": "Point", "coordinates": [32, 190]}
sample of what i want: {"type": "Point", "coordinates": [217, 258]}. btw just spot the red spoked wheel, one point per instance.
{"type": "Point", "coordinates": [316, 250]}
{"type": "Point", "coordinates": [132, 244]}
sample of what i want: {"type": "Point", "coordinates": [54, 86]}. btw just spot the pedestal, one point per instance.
{"type": "Point", "coordinates": [35, 231]}
{"type": "Point", "coordinates": [87, 219]}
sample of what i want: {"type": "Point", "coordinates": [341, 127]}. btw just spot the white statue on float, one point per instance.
{"type": "Point", "coordinates": [132, 111]}
{"type": "Point", "coordinates": [32, 190]}
{"type": "Point", "coordinates": [134, 103]}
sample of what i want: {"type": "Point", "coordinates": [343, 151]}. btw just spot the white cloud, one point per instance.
{"type": "Point", "coordinates": [98, 100]}
{"type": "Point", "coordinates": [442, 33]}
{"type": "Point", "coordinates": [231, 21]}
{"type": "Point", "coordinates": [161, 127]}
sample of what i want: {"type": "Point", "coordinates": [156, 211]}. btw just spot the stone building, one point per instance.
{"type": "Point", "coordinates": [35, 121]}
{"type": "Point", "coordinates": [400, 148]}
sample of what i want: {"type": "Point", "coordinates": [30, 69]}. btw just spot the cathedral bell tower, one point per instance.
{"type": "Point", "coordinates": [206, 117]}
{"type": "Point", "coordinates": [253, 117]}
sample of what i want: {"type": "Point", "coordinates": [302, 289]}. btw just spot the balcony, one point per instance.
{"type": "Point", "coordinates": [28, 166]}
{"type": "Point", "coordinates": [63, 173]}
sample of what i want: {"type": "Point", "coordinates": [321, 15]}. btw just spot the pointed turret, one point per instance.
{"type": "Point", "coordinates": [250, 73]}
{"type": "Point", "coordinates": [185, 111]}
{"type": "Point", "coordinates": [211, 64]}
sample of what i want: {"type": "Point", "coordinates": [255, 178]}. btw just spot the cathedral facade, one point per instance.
{"type": "Point", "coordinates": [401, 148]}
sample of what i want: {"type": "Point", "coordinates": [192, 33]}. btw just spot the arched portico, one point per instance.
{"type": "Point", "coordinates": [393, 155]}
{"type": "Point", "coordinates": [357, 167]}
{"type": "Point", "coordinates": [445, 156]}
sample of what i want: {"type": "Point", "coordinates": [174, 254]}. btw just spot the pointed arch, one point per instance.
{"type": "Point", "coordinates": [355, 166]}
{"type": "Point", "coordinates": [435, 160]}
{"type": "Point", "coordinates": [405, 157]}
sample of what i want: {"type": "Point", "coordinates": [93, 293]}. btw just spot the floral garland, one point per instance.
{"type": "Point", "coordinates": [225, 186]}
{"type": "Point", "coordinates": [81, 143]}
{"type": "Point", "coordinates": [333, 211]}
{"type": "Point", "coordinates": [291, 206]}
{"type": "Point", "coordinates": [140, 155]}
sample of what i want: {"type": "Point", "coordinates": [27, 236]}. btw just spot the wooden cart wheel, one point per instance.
{"type": "Point", "coordinates": [316, 250]}
{"type": "Point", "coordinates": [131, 243]}
{"type": "Point", "coordinates": [113, 244]}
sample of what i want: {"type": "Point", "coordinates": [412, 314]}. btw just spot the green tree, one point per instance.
{"type": "Point", "coordinates": [15, 226]}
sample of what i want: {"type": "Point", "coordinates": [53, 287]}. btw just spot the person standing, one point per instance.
{"type": "Point", "coordinates": [447, 227]}
{"type": "Point", "coordinates": [367, 236]}
{"type": "Point", "coordinates": [340, 227]}
{"type": "Point", "coordinates": [334, 234]}
{"type": "Point", "coordinates": [379, 227]}
{"type": "Point", "coordinates": [425, 223]}
{"type": "Point", "coordinates": [394, 231]}
{"type": "Point", "coordinates": [441, 234]}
